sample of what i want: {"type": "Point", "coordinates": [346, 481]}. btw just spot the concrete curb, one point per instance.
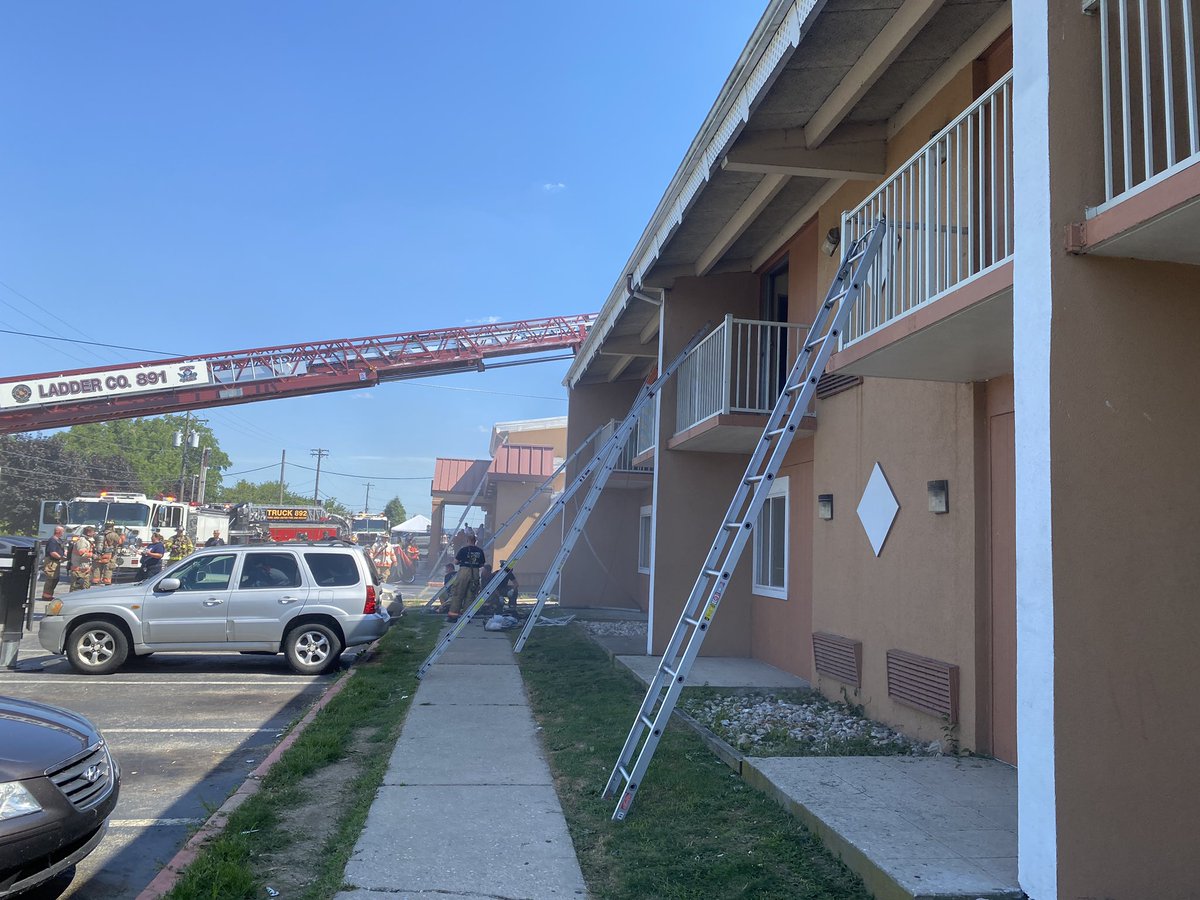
{"type": "Point", "coordinates": [173, 870]}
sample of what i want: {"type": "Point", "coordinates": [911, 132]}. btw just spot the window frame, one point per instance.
{"type": "Point", "coordinates": [778, 491]}
{"type": "Point", "coordinates": [646, 521]}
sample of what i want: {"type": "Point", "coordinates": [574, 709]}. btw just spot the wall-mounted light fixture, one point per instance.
{"type": "Point", "coordinates": [825, 506]}
{"type": "Point", "coordinates": [939, 496]}
{"type": "Point", "coordinates": [832, 240]}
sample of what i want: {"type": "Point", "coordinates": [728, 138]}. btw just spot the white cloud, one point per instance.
{"type": "Point", "coordinates": [553, 187]}
{"type": "Point", "coordinates": [486, 320]}
{"type": "Point", "coordinates": [483, 429]}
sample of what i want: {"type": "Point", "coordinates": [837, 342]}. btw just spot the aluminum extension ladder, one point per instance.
{"type": "Point", "coordinates": [581, 517]}
{"type": "Point", "coordinates": [739, 522]}
{"type": "Point", "coordinates": [602, 463]}
{"type": "Point", "coordinates": [541, 489]}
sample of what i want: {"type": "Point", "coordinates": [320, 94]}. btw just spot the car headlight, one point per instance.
{"type": "Point", "coordinates": [16, 801]}
{"type": "Point", "coordinates": [54, 608]}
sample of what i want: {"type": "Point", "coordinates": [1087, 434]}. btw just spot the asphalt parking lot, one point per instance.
{"type": "Point", "coordinates": [186, 729]}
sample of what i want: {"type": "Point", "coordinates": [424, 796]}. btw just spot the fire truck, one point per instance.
{"type": "Point", "coordinates": [286, 523]}
{"type": "Point", "coordinates": [137, 515]}
{"type": "Point", "coordinates": [368, 528]}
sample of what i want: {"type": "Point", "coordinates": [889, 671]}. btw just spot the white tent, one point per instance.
{"type": "Point", "coordinates": [416, 523]}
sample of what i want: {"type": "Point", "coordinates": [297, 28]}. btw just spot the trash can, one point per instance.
{"type": "Point", "coordinates": [18, 557]}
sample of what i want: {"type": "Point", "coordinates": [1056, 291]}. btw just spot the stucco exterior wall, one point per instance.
{"type": "Point", "coordinates": [602, 569]}
{"type": "Point", "coordinates": [919, 595]}
{"type": "Point", "coordinates": [1124, 429]}
{"type": "Point", "coordinates": [533, 565]}
{"type": "Point", "coordinates": [694, 489]}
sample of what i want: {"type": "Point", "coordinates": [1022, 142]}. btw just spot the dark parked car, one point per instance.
{"type": "Point", "coordinates": [58, 786]}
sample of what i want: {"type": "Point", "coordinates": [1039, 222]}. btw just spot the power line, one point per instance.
{"type": "Point", "coordinates": [360, 475]}
{"type": "Point", "coordinates": [50, 337]}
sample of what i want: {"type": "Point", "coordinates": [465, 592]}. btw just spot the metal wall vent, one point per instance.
{"type": "Point", "coordinates": [831, 383]}
{"type": "Point", "coordinates": [838, 657]}
{"type": "Point", "coordinates": [929, 685]}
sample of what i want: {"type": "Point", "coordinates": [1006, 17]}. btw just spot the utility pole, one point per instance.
{"type": "Point", "coordinates": [367, 501]}
{"type": "Point", "coordinates": [320, 453]}
{"type": "Point", "coordinates": [199, 496]}
{"type": "Point", "coordinates": [184, 439]}
{"type": "Point", "coordinates": [282, 462]}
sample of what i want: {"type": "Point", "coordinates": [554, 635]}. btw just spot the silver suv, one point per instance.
{"type": "Point", "coordinates": [308, 601]}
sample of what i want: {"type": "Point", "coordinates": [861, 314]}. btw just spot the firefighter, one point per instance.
{"type": "Point", "coordinates": [81, 552]}
{"type": "Point", "coordinates": [104, 561]}
{"type": "Point", "coordinates": [384, 557]}
{"type": "Point", "coordinates": [179, 546]}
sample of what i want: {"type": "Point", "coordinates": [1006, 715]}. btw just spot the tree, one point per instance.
{"type": "Point", "coordinates": [148, 446]}
{"type": "Point", "coordinates": [394, 511]}
{"type": "Point", "coordinates": [33, 469]}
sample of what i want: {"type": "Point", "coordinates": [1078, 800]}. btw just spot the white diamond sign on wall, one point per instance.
{"type": "Point", "coordinates": [877, 509]}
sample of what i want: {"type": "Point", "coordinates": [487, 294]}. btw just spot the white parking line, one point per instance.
{"type": "Point", "coordinates": [177, 730]}
{"type": "Point", "coordinates": [292, 682]}
{"type": "Point", "coordinates": [150, 823]}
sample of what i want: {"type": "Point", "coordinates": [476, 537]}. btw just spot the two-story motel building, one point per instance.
{"type": "Point", "coordinates": [987, 526]}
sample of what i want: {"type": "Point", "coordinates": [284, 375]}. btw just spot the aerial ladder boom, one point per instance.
{"type": "Point", "coordinates": [76, 396]}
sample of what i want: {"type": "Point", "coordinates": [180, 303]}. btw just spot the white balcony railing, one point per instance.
{"type": "Point", "coordinates": [628, 452]}
{"type": "Point", "coordinates": [1148, 72]}
{"type": "Point", "coordinates": [949, 211]}
{"type": "Point", "coordinates": [739, 367]}
{"type": "Point", "coordinates": [644, 434]}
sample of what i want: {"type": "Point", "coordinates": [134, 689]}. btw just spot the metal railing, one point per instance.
{"type": "Point", "coordinates": [949, 211]}
{"type": "Point", "coordinates": [628, 452]}
{"type": "Point", "coordinates": [739, 367]}
{"type": "Point", "coordinates": [1148, 72]}
{"type": "Point", "coordinates": [644, 435]}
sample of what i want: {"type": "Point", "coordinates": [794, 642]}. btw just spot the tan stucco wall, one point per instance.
{"type": "Point", "coordinates": [1124, 433]}
{"type": "Point", "coordinates": [694, 489]}
{"type": "Point", "coordinates": [532, 567]}
{"type": "Point", "coordinates": [919, 595]}
{"type": "Point", "coordinates": [602, 569]}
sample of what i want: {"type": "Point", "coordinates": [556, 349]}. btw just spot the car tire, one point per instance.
{"type": "Point", "coordinates": [312, 649]}
{"type": "Point", "coordinates": [408, 576]}
{"type": "Point", "coordinates": [97, 648]}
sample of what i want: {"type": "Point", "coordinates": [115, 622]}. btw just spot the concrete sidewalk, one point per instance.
{"type": "Point", "coordinates": [467, 807]}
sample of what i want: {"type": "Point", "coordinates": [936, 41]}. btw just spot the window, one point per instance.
{"type": "Point", "coordinates": [770, 543]}
{"type": "Point", "coordinates": [332, 569]}
{"type": "Point", "coordinates": [205, 573]}
{"type": "Point", "coordinates": [645, 536]}
{"type": "Point", "coordinates": [269, 570]}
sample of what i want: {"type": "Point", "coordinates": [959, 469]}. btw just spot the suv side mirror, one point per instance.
{"type": "Point", "coordinates": [168, 585]}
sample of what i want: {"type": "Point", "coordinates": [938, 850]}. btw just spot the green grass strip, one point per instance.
{"type": "Point", "coordinates": [696, 829]}
{"type": "Point", "coordinates": [374, 703]}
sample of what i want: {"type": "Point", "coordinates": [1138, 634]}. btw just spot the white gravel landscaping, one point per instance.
{"type": "Point", "coordinates": [802, 724]}
{"type": "Point", "coordinates": [623, 629]}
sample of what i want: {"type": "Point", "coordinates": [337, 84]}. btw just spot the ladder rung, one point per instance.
{"type": "Point", "coordinates": [647, 721]}
{"type": "Point", "coordinates": [776, 432]}
{"type": "Point", "coordinates": [816, 342]}
{"type": "Point", "coordinates": [713, 573]}
{"type": "Point", "coordinates": [733, 526]}
{"type": "Point", "coordinates": [624, 773]}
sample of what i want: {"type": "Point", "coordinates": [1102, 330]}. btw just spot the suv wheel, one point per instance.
{"type": "Point", "coordinates": [312, 649]}
{"type": "Point", "coordinates": [97, 648]}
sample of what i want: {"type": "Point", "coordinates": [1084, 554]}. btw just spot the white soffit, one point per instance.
{"type": "Point", "coordinates": [877, 509]}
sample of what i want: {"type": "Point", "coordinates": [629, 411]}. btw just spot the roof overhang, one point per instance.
{"type": "Point", "coordinates": [819, 88]}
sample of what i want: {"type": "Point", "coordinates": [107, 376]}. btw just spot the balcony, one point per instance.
{"type": "Point", "coordinates": [728, 384]}
{"type": "Point", "coordinates": [644, 437]}
{"type": "Point", "coordinates": [937, 305]}
{"type": "Point", "coordinates": [1151, 134]}
{"type": "Point", "coordinates": [628, 473]}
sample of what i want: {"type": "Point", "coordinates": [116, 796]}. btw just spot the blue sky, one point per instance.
{"type": "Point", "coordinates": [192, 178]}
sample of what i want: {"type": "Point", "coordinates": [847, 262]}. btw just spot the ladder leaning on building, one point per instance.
{"type": "Point", "coordinates": [738, 524]}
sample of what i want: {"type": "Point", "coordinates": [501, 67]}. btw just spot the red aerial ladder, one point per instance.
{"type": "Point", "coordinates": [61, 399]}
